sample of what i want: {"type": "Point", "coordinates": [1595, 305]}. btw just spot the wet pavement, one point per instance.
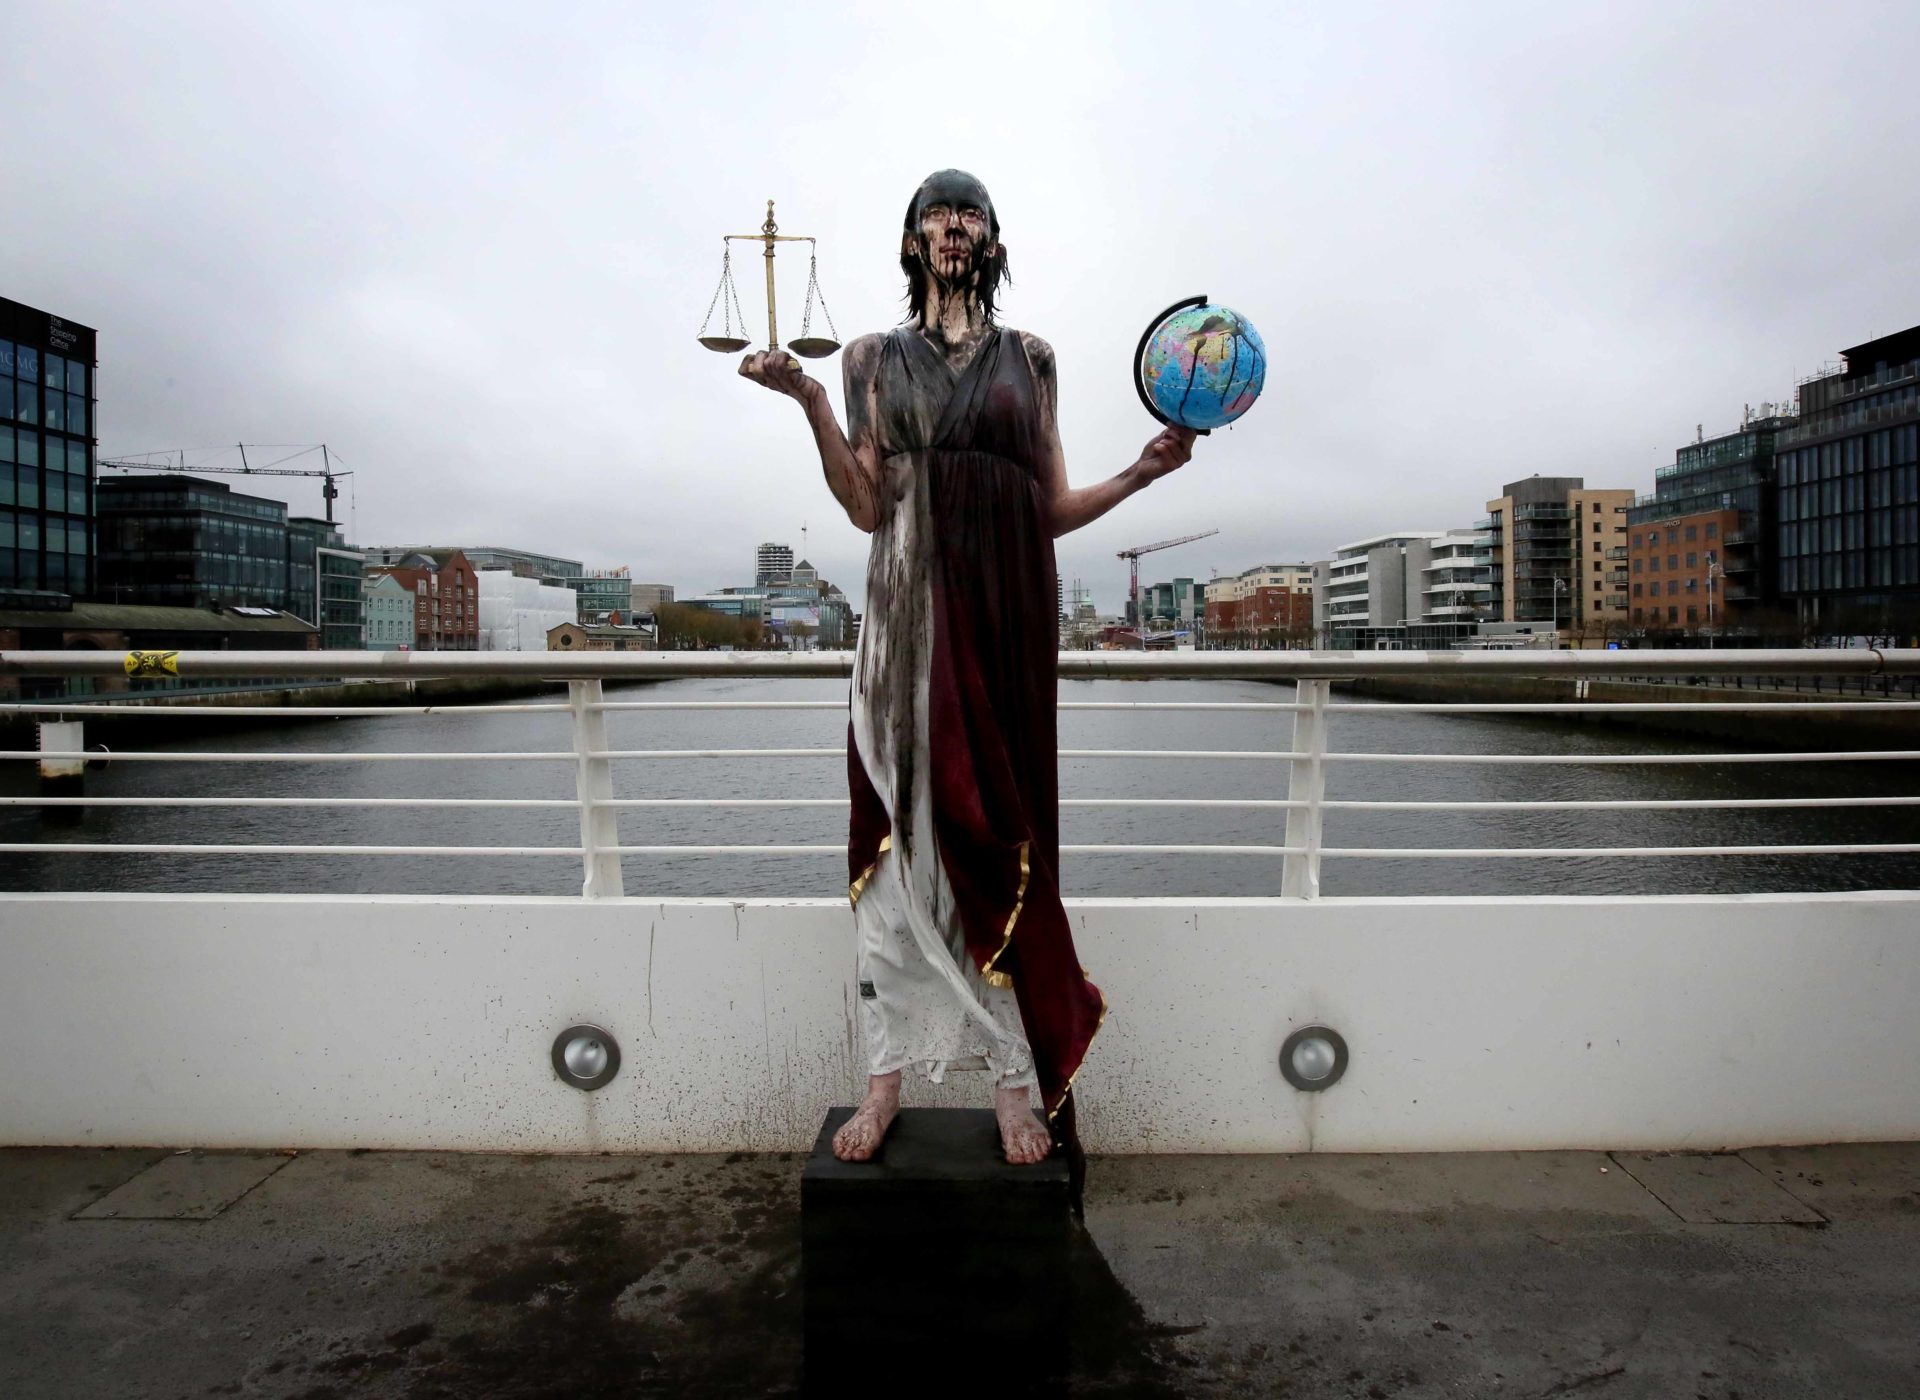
{"type": "Point", "coordinates": [328, 1275]}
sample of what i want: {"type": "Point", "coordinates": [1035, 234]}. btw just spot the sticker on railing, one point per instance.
{"type": "Point", "coordinates": [142, 665]}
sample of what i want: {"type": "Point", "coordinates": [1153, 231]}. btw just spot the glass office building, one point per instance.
{"type": "Point", "coordinates": [1848, 480]}
{"type": "Point", "coordinates": [46, 453]}
{"type": "Point", "coordinates": [180, 542]}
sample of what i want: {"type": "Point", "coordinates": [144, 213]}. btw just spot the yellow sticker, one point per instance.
{"type": "Point", "coordinates": [143, 664]}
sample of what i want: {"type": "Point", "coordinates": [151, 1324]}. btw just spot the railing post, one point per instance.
{"type": "Point", "coordinates": [593, 783]}
{"type": "Point", "coordinates": [1306, 782]}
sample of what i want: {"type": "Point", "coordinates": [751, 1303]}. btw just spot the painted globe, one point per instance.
{"type": "Point", "coordinates": [1200, 366]}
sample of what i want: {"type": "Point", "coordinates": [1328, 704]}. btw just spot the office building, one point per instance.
{"type": "Point", "coordinates": [1553, 542]}
{"type": "Point", "coordinates": [772, 565]}
{"type": "Point", "coordinates": [648, 596]}
{"type": "Point", "coordinates": [340, 575]}
{"type": "Point", "coordinates": [46, 456]}
{"type": "Point", "coordinates": [177, 541]}
{"type": "Point", "coordinates": [803, 611]}
{"type": "Point", "coordinates": [1697, 551]}
{"type": "Point", "coordinates": [1174, 604]}
{"type": "Point", "coordinates": [603, 593]}
{"type": "Point", "coordinates": [1848, 495]}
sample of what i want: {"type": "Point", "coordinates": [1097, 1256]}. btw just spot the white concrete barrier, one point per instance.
{"type": "Point", "coordinates": [420, 1022]}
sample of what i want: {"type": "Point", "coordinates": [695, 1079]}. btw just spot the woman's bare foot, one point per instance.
{"type": "Point", "coordinates": [1023, 1136]}
{"type": "Point", "coordinates": [860, 1136]}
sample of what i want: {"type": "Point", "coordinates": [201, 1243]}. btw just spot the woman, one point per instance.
{"type": "Point", "coordinates": [952, 461]}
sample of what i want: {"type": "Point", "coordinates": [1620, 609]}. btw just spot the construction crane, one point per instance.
{"type": "Point", "coordinates": [175, 458]}
{"type": "Point", "coordinates": [1132, 556]}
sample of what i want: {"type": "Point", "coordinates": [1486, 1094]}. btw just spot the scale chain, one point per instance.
{"type": "Point", "coordinates": [726, 296]}
{"type": "Point", "coordinates": [813, 290]}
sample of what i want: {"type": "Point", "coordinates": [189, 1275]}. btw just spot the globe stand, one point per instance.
{"type": "Point", "coordinates": [1139, 361]}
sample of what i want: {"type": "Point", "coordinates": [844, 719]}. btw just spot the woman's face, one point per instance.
{"type": "Point", "coordinates": [954, 238]}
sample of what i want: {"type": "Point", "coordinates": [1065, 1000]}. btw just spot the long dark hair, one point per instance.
{"type": "Point", "coordinates": [993, 271]}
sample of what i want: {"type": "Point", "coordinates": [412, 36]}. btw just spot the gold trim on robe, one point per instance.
{"type": "Point", "coordinates": [1001, 979]}
{"type": "Point", "coordinates": [858, 886]}
{"type": "Point", "coordinates": [1083, 1058]}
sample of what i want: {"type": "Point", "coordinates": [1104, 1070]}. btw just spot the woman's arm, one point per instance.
{"type": "Point", "coordinates": [852, 465]}
{"type": "Point", "coordinates": [1068, 508]}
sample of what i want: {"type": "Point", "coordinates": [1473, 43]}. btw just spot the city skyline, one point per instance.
{"type": "Point", "coordinates": [1478, 245]}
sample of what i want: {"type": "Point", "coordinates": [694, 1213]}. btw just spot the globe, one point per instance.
{"type": "Point", "coordinates": [1200, 365]}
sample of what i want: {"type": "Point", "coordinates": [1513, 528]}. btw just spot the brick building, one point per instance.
{"type": "Point", "coordinates": [446, 599]}
{"type": "Point", "coordinates": [1679, 567]}
{"type": "Point", "coordinates": [1269, 605]}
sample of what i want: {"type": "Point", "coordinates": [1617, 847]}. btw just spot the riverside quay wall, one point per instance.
{"type": "Point", "coordinates": [1895, 726]}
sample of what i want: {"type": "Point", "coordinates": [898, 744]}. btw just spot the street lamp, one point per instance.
{"type": "Point", "coordinates": [1714, 571]}
{"type": "Point", "coordinates": [1559, 587]}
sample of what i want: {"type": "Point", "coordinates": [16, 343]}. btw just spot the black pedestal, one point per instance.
{"type": "Point", "coordinates": [939, 1255]}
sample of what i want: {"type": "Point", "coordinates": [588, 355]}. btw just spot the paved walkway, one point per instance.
{"type": "Point", "coordinates": [1785, 1272]}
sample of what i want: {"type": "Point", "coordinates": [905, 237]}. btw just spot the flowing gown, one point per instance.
{"type": "Point", "coordinates": [965, 954]}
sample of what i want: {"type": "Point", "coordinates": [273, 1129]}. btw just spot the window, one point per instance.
{"type": "Point", "coordinates": [1653, 565]}
{"type": "Point", "coordinates": [1693, 614]}
{"type": "Point", "coordinates": [1673, 560]}
{"type": "Point", "coordinates": [1693, 561]}
{"type": "Point", "coordinates": [1713, 529]}
{"type": "Point", "coordinates": [1673, 614]}
{"type": "Point", "coordinates": [1636, 592]}
{"type": "Point", "coordinates": [1693, 533]}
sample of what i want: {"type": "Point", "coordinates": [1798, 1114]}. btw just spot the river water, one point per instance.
{"type": "Point", "coordinates": [1383, 729]}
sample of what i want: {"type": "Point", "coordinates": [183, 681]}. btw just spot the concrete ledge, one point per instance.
{"type": "Point", "coordinates": [367, 1021]}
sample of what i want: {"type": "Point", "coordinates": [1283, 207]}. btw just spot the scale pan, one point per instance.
{"type": "Point", "coordinates": [725, 344]}
{"type": "Point", "coordinates": [814, 347]}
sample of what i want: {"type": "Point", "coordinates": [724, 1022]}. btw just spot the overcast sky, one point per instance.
{"type": "Point", "coordinates": [469, 246]}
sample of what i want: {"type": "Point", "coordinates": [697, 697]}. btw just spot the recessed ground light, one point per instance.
{"type": "Point", "coordinates": [585, 1056]}
{"type": "Point", "coordinates": [1313, 1058]}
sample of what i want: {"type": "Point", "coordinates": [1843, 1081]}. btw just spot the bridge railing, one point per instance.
{"type": "Point", "coordinates": [1300, 806]}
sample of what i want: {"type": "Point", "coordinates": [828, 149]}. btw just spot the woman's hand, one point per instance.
{"type": "Point", "coordinates": [1171, 450]}
{"type": "Point", "coordinates": [779, 372]}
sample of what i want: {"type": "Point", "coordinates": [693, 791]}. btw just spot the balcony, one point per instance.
{"type": "Point", "coordinates": [1617, 552]}
{"type": "Point", "coordinates": [1541, 513]}
{"type": "Point", "coordinates": [1616, 576]}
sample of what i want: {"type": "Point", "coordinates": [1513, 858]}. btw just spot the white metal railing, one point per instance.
{"type": "Point", "coordinates": [1308, 754]}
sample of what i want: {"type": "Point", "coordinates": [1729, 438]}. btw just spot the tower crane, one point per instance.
{"type": "Point", "coordinates": [144, 462]}
{"type": "Point", "coordinates": [1132, 556]}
